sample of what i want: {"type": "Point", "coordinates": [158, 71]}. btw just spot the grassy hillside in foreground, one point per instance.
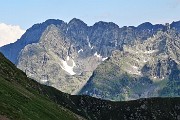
{"type": "Point", "coordinates": [19, 100]}
{"type": "Point", "coordinates": [24, 99]}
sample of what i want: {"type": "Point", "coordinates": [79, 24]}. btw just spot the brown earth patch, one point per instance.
{"type": "Point", "coordinates": [2, 117]}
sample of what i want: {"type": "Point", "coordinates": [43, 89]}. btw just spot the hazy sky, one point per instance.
{"type": "Point", "coordinates": [25, 13]}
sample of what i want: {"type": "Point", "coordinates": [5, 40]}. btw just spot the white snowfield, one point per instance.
{"type": "Point", "coordinates": [63, 63]}
{"type": "Point", "coordinates": [68, 68]}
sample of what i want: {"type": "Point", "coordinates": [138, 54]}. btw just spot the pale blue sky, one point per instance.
{"type": "Point", "coordinates": [25, 13]}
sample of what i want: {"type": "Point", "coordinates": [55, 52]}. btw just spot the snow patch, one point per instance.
{"type": "Point", "coordinates": [81, 50]}
{"type": "Point", "coordinates": [136, 60]}
{"type": "Point", "coordinates": [63, 64]}
{"type": "Point", "coordinates": [97, 55]}
{"type": "Point", "coordinates": [67, 30]}
{"type": "Point", "coordinates": [138, 73]}
{"type": "Point", "coordinates": [67, 58]}
{"type": "Point", "coordinates": [100, 57]}
{"type": "Point", "coordinates": [89, 44]}
{"type": "Point", "coordinates": [144, 61]}
{"type": "Point", "coordinates": [103, 59]}
{"type": "Point", "coordinates": [150, 51]}
{"type": "Point", "coordinates": [134, 72]}
{"type": "Point", "coordinates": [68, 68]}
{"type": "Point", "coordinates": [135, 67]}
{"type": "Point", "coordinates": [44, 80]}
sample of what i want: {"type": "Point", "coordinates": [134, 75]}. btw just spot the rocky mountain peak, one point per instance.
{"type": "Point", "coordinates": [77, 30]}
{"type": "Point", "coordinates": [65, 56]}
{"type": "Point", "coordinates": [146, 25]}
{"type": "Point", "coordinates": [32, 35]}
{"type": "Point", "coordinates": [76, 22]}
{"type": "Point", "coordinates": [53, 21]}
{"type": "Point", "coordinates": [105, 25]}
{"type": "Point", "coordinates": [175, 25]}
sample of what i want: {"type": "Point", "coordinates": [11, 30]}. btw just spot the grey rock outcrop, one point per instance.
{"type": "Point", "coordinates": [55, 61]}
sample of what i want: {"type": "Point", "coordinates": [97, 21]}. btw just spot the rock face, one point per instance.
{"type": "Point", "coordinates": [64, 55]}
{"type": "Point", "coordinates": [56, 61]}
{"type": "Point", "coordinates": [142, 70]}
{"type": "Point", "coordinates": [32, 35]}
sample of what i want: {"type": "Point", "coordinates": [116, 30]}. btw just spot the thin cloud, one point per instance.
{"type": "Point", "coordinates": [9, 33]}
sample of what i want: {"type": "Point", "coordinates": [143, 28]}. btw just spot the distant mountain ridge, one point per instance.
{"type": "Point", "coordinates": [34, 33]}
{"type": "Point", "coordinates": [64, 55]}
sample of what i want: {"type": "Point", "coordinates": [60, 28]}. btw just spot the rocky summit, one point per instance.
{"type": "Point", "coordinates": [102, 60]}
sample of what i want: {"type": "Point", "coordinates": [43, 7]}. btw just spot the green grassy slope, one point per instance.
{"type": "Point", "coordinates": [119, 85]}
{"type": "Point", "coordinates": [24, 99]}
{"type": "Point", "coordinates": [19, 100]}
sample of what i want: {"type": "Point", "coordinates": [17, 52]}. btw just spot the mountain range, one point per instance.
{"type": "Point", "coordinates": [22, 98]}
{"type": "Point", "coordinates": [102, 60]}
